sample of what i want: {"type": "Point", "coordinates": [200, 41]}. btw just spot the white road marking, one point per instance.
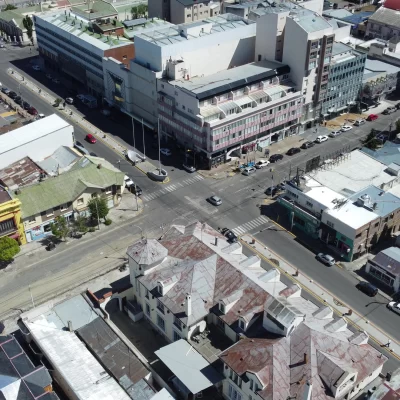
{"type": "Point", "coordinates": [255, 223]}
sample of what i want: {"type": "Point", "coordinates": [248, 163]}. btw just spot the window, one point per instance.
{"type": "Point", "coordinates": [358, 235]}
{"type": "Point", "coordinates": [330, 224]}
{"type": "Point", "coordinates": [146, 293]}
{"type": "Point", "coordinates": [183, 107]}
{"type": "Point", "coordinates": [49, 213]}
{"type": "Point", "coordinates": [377, 224]}
{"type": "Point", "coordinates": [178, 323]}
{"type": "Point", "coordinates": [234, 394]}
{"type": "Point", "coordinates": [108, 190]}
{"type": "Point", "coordinates": [64, 207]}
{"type": "Point", "coordinates": [94, 195]}
{"type": "Point", "coordinates": [242, 325]}
{"type": "Point", "coordinates": [147, 309]}
{"type": "Point", "coordinates": [251, 384]}
{"type": "Point", "coordinates": [160, 307]}
{"type": "Point", "coordinates": [31, 220]}
{"type": "Point", "coordinates": [124, 57]}
{"type": "Point", "coordinates": [47, 228]}
{"type": "Point", "coordinates": [176, 336]}
{"type": "Point", "coordinates": [309, 204]}
{"type": "Point", "coordinates": [222, 308]}
{"type": "Point", "coordinates": [161, 323]}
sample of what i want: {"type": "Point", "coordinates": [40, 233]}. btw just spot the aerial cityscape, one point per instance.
{"type": "Point", "coordinates": [199, 199]}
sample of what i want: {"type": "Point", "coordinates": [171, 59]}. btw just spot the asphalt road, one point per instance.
{"type": "Point", "coordinates": [184, 200]}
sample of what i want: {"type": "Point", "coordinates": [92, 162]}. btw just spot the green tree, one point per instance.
{"type": "Point", "coordinates": [10, 7]}
{"type": "Point", "coordinates": [60, 228]}
{"type": "Point", "coordinates": [8, 248]}
{"type": "Point", "coordinates": [371, 142]}
{"type": "Point", "coordinates": [28, 25]}
{"type": "Point", "coordinates": [139, 11]}
{"type": "Point", "coordinates": [98, 208]}
{"type": "Point", "coordinates": [398, 126]}
{"type": "Point", "coordinates": [80, 224]}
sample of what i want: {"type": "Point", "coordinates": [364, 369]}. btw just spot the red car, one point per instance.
{"type": "Point", "coordinates": [90, 138]}
{"type": "Point", "coordinates": [32, 111]}
{"type": "Point", "coordinates": [372, 117]}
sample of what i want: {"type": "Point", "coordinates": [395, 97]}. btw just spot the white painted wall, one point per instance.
{"type": "Point", "coordinates": [339, 226]}
{"type": "Point", "coordinates": [313, 5]}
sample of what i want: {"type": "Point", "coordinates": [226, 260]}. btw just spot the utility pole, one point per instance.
{"type": "Point", "coordinates": [30, 291]}
{"type": "Point", "coordinates": [133, 133]}
{"type": "Point", "coordinates": [144, 144]}
{"type": "Point", "coordinates": [159, 149]}
{"type": "Point", "coordinates": [137, 206]}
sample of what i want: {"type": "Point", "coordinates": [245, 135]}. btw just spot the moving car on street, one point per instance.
{"type": "Point", "coordinates": [271, 191]}
{"type": "Point", "coordinates": [346, 128]}
{"type": "Point", "coordinates": [367, 288]}
{"type": "Point", "coordinates": [81, 148]}
{"type": "Point", "coordinates": [215, 200]}
{"type": "Point", "coordinates": [395, 307]}
{"type": "Point", "coordinates": [90, 138]}
{"type": "Point", "coordinates": [248, 171]}
{"type": "Point", "coordinates": [389, 110]}
{"type": "Point", "coordinates": [359, 122]}
{"type": "Point", "coordinates": [275, 157]}
{"type": "Point", "coordinates": [372, 117]}
{"type": "Point", "coordinates": [326, 259]}
{"type": "Point", "coordinates": [165, 152]}
{"type": "Point", "coordinates": [69, 100]}
{"type": "Point", "coordinates": [293, 150]}
{"type": "Point", "coordinates": [189, 168]}
{"type": "Point", "coordinates": [232, 238]}
{"type": "Point", "coordinates": [307, 145]}
{"type": "Point", "coordinates": [335, 133]}
{"type": "Point", "coordinates": [261, 164]}
{"type": "Point", "coordinates": [321, 139]}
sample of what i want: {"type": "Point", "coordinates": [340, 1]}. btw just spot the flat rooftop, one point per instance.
{"type": "Point", "coordinates": [231, 79]}
{"type": "Point", "coordinates": [143, 25]}
{"type": "Point", "coordinates": [311, 22]}
{"type": "Point", "coordinates": [173, 34]}
{"type": "Point", "coordinates": [380, 66]}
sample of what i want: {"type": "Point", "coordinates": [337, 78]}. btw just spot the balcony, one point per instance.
{"type": "Point", "coordinates": [7, 227]}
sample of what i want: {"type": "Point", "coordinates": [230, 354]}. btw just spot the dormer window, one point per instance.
{"type": "Point", "coordinates": [242, 324]}
{"type": "Point", "coordinates": [160, 288]}
{"type": "Point", "coordinates": [222, 308]}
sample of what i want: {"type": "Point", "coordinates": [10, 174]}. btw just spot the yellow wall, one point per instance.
{"type": "Point", "coordinates": [12, 209]}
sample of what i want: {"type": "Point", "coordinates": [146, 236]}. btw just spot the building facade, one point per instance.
{"type": "Point", "coordinates": [260, 106]}
{"type": "Point", "coordinates": [383, 24]}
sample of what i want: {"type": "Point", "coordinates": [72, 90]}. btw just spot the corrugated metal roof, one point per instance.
{"type": "Point", "coordinates": [386, 16]}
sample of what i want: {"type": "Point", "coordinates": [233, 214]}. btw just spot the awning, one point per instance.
{"type": "Point", "coordinates": [14, 236]}
{"type": "Point", "coordinates": [188, 366]}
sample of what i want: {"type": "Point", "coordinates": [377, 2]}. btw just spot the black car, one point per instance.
{"type": "Point", "coordinates": [307, 145]}
{"type": "Point", "coordinates": [232, 238]}
{"type": "Point", "coordinates": [275, 158]}
{"type": "Point", "coordinates": [271, 191]}
{"type": "Point", "coordinates": [135, 189]}
{"type": "Point", "coordinates": [367, 288]}
{"type": "Point", "coordinates": [5, 90]}
{"type": "Point", "coordinates": [293, 150]}
{"type": "Point", "coordinates": [19, 100]}
{"type": "Point", "coordinates": [26, 105]}
{"type": "Point", "coordinates": [12, 95]}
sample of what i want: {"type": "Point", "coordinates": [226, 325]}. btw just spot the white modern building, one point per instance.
{"type": "Point", "coordinates": [253, 105]}
{"type": "Point", "coordinates": [227, 40]}
{"type": "Point", "coordinates": [37, 140]}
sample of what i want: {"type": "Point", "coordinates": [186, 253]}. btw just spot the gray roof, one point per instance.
{"type": "Point", "coordinates": [388, 154]}
{"type": "Point", "coordinates": [339, 48]}
{"type": "Point", "coordinates": [232, 79]}
{"type": "Point", "coordinates": [60, 160]}
{"type": "Point", "coordinates": [312, 23]}
{"type": "Point", "coordinates": [380, 66]}
{"type": "Point", "coordinates": [386, 16]}
{"type": "Point", "coordinates": [147, 252]}
{"type": "Point", "coordinates": [339, 13]}
{"type": "Point", "coordinates": [389, 260]}
{"type": "Point", "coordinates": [188, 366]}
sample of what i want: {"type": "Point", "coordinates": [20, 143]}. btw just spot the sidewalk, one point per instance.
{"type": "Point", "coordinates": [104, 137]}
{"type": "Point", "coordinates": [324, 296]}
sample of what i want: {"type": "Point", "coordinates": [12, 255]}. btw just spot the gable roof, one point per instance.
{"type": "Point", "coordinates": [387, 16]}
{"type": "Point", "coordinates": [66, 187]}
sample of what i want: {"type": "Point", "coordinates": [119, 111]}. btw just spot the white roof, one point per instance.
{"type": "Point", "coordinates": [322, 194]}
{"type": "Point", "coordinates": [70, 357]}
{"type": "Point", "coordinates": [162, 395]}
{"type": "Point", "coordinates": [31, 132]}
{"type": "Point", "coordinates": [353, 174]}
{"type": "Point", "coordinates": [188, 366]}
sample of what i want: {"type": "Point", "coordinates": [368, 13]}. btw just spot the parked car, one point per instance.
{"type": "Point", "coordinates": [40, 116]}
{"type": "Point", "coordinates": [321, 139]}
{"type": "Point", "coordinates": [18, 100]}
{"type": "Point", "coordinates": [5, 90]}
{"type": "Point", "coordinates": [215, 200]}
{"type": "Point", "coordinates": [261, 164]}
{"type": "Point", "coordinates": [90, 138]}
{"type": "Point", "coordinates": [367, 288]}
{"type": "Point", "coordinates": [389, 110]}
{"type": "Point", "coordinates": [346, 128]}
{"type": "Point", "coordinates": [293, 150]}
{"type": "Point", "coordinates": [26, 105]}
{"type": "Point", "coordinates": [335, 133]}
{"type": "Point", "coordinates": [80, 97]}
{"type": "Point", "coordinates": [189, 168]}
{"type": "Point", "coordinates": [56, 80]}
{"type": "Point", "coordinates": [69, 100]}
{"type": "Point", "coordinates": [128, 181]}
{"type": "Point", "coordinates": [359, 122]}
{"type": "Point", "coordinates": [397, 105]}
{"type": "Point", "coordinates": [271, 191]}
{"type": "Point", "coordinates": [12, 95]}
{"type": "Point", "coordinates": [248, 171]}
{"type": "Point", "coordinates": [372, 117]}
{"type": "Point", "coordinates": [232, 238]}
{"type": "Point", "coordinates": [307, 145]}
{"type": "Point", "coordinates": [136, 189]}
{"type": "Point", "coordinates": [81, 148]}
{"type": "Point", "coordinates": [275, 157]}
{"type": "Point", "coordinates": [49, 76]}
{"type": "Point", "coordinates": [32, 111]}
{"type": "Point", "coordinates": [326, 259]}
{"type": "Point", "coordinates": [36, 67]}
{"type": "Point", "coordinates": [165, 152]}
{"type": "Point", "coordinates": [395, 307]}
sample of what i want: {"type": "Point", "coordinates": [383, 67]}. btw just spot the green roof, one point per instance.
{"type": "Point", "coordinates": [18, 14]}
{"type": "Point", "coordinates": [96, 10]}
{"type": "Point", "coordinates": [67, 187]}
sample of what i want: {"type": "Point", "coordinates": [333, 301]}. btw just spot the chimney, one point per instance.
{"type": "Point", "coordinates": [216, 241]}
{"type": "Point", "coordinates": [188, 305]}
{"type": "Point", "coordinates": [70, 326]}
{"type": "Point", "coordinates": [305, 358]}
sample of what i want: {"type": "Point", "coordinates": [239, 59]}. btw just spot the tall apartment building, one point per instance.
{"type": "Point", "coordinates": [231, 109]}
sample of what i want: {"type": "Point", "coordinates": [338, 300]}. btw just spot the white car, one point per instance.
{"type": "Point", "coordinates": [394, 306]}
{"type": "Point", "coordinates": [248, 170]}
{"type": "Point", "coordinates": [189, 168]}
{"type": "Point", "coordinates": [40, 116]}
{"type": "Point", "coordinates": [335, 133]}
{"type": "Point", "coordinates": [261, 164]}
{"type": "Point", "coordinates": [36, 67]}
{"type": "Point", "coordinates": [326, 259]}
{"type": "Point", "coordinates": [321, 139]}
{"type": "Point", "coordinates": [165, 152]}
{"type": "Point", "coordinates": [346, 128]}
{"type": "Point", "coordinates": [69, 100]}
{"type": "Point", "coordinates": [128, 181]}
{"type": "Point", "coordinates": [215, 200]}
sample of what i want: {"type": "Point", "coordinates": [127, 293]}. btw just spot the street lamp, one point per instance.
{"type": "Point", "coordinates": [141, 230]}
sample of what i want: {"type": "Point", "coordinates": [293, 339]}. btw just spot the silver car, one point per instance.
{"type": "Point", "coordinates": [215, 200]}
{"type": "Point", "coordinates": [395, 307]}
{"type": "Point", "coordinates": [326, 259]}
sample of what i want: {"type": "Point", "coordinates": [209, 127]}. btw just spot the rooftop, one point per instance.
{"type": "Point", "coordinates": [60, 161]}
{"type": "Point", "coordinates": [21, 173]}
{"type": "Point", "coordinates": [31, 132]}
{"type": "Point", "coordinates": [386, 16]}
{"type": "Point", "coordinates": [354, 174]}
{"type": "Point", "coordinates": [388, 154]}
{"type": "Point", "coordinates": [79, 29]}
{"type": "Point", "coordinates": [65, 188]}
{"type": "Point", "coordinates": [388, 390]}
{"type": "Point", "coordinates": [389, 260]}
{"type": "Point", "coordinates": [4, 195]}
{"type": "Point", "coordinates": [372, 65]}
{"type": "Point", "coordinates": [97, 9]}
{"type": "Point", "coordinates": [232, 79]}
{"type": "Point", "coordinates": [184, 32]}
{"type": "Point", "coordinates": [20, 379]}
{"type": "Point", "coordinates": [48, 326]}
{"type": "Point", "coordinates": [143, 25]}
{"type": "Point", "coordinates": [311, 22]}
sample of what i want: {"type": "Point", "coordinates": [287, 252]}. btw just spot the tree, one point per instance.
{"type": "Point", "coordinates": [371, 142]}
{"type": "Point", "coordinates": [60, 228]}
{"type": "Point", "coordinates": [139, 11]}
{"type": "Point", "coordinates": [398, 126]}
{"type": "Point", "coordinates": [98, 208]}
{"type": "Point", "coordinates": [80, 224]}
{"type": "Point", "coordinates": [8, 248]}
{"type": "Point", "coordinates": [28, 25]}
{"type": "Point", "coordinates": [10, 7]}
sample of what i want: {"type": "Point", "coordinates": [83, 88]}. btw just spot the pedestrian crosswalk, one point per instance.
{"type": "Point", "coordinates": [172, 187]}
{"type": "Point", "coordinates": [248, 226]}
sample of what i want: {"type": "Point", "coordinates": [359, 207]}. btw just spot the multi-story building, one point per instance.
{"type": "Point", "coordinates": [259, 103]}
{"type": "Point", "coordinates": [385, 22]}
{"type": "Point", "coordinates": [75, 45]}
{"type": "Point", "coordinates": [186, 49]}
{"type": "Point", "coordinates": [10, 217]}
{"type": "Point", "coordinates": [345, 78]}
